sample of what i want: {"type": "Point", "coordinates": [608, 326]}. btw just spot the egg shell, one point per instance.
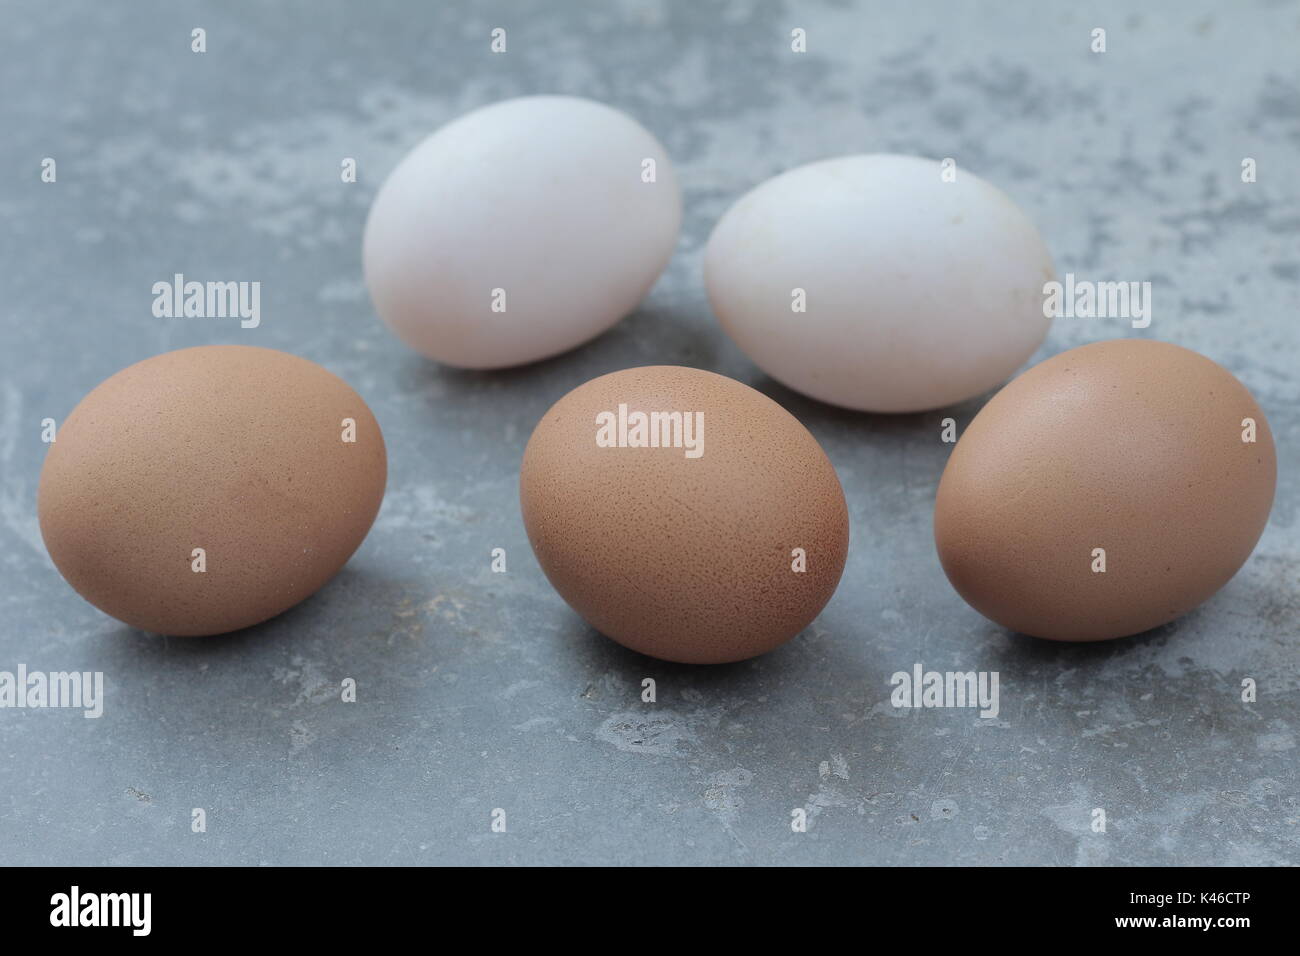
{"type": "Point", "coordinates": [1132, 446]}
{"type": "Point", "coordinates": [232, 449]}
{"type": "Point", "coordinates": [541, 197]}
{"type": "Point", "coordinates": [685, 559]}
{"type": "Point", "coordinates": [918, 292]}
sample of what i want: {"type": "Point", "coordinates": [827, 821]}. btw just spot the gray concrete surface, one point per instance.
{"type": "Point", "coordinates": [480, 691]}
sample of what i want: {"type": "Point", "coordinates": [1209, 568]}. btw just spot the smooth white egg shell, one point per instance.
{"type": "Point", "coordinates": [542, 198]}
{"type": "Point", "coordinates": [919, 292]}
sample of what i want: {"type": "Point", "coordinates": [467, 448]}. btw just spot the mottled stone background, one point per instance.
{"type": "Point", "coordinates": [481, 690]}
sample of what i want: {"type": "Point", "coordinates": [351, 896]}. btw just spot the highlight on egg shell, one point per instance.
{"type": "Point", "coordinates": [520, 231]}
{"type": "Point", "coordinates": [1105, 491]}
{"type": "Point", "coordinates": [683, 514]}
{"type": "Point", "coordinates": [880, 283]}
{"type": "Point", "coordinates": [208, 489]}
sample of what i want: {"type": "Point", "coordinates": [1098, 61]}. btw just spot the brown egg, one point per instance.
{"type": "Point", "coordinates": [1127, 455]}
{"type": "Point", "coordinates": [237, 451]}
{"type": "Point", "coordinates": [684, 553]}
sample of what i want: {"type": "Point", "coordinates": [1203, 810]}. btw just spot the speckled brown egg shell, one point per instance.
{"type": "Point", "coordinates": [1132, 446]}
{"type": "Point", "coordinates": [684, 559]}
{"type": "Point", "coordinates": [232, 449]}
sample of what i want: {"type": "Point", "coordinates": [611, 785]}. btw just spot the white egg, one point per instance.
{"type": "Point", "coordinates": [520, 230]}
{"type": "Point", "coordinates": [915, 292]}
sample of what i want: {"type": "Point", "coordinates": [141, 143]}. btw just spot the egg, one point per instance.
{"type": "Point", "coordinates": [875, 283]}
{"type": "Point", "coordinates": [208, 489]}
{"type": "Point", "coordinates": [1106, 491]}
{"type": "Point", "coordinates": [683, 514]}
{"type": "Point", "coordinates": [520, 230]}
